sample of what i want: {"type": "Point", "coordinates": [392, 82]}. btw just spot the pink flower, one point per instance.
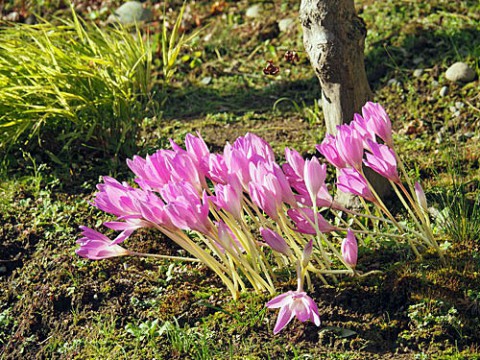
{"type": "Point", "coordinates": [421, 198]}
{"type": "Point", "coordinates": [265, 189]}
{"type": "Point", "coordinates": [378, 121]}
{"type": "Point", "coordinates": [314, 175]}
{"type": "Point", "coordinates": [227, 239]}
{"type": "Point", "coordinates": [126, 227]}
{"type": "Point", "coordinates": [307, 253]}
{"type": "Point", "coordinates": [96, 246]}
{"type": "Point", "coordinates": [304, 221]}
{"type": "Point", "coordinates": [294, 303]}
{"type": "Point", "coordinates": [351, 181]}
{"type": "Point", "coordinates": [360, 125]}
{"type": "Point", "coordinates": [350, 146]}
{"type": "Point", "coordinates": [350, 249]}
{"type": "Point", "coordinates": [117, 199]}
{"type": "Point", "coordinates": [217, 169]}
{"type": "Point", "coordinates": [382, 160]}
{"type": "Point", "coordinates": [329, 149]}
{"type": "Point", "coordinates": [197, 148]}
{"type": "Point", "coordinates": [229, 198]}
{"type": "Point", "coordinates": [275, 241]}
{"type": "Point", "coordinates": [185, 208]}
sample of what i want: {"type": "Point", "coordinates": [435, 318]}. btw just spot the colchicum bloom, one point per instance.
{"type": "Point", "coordinates": [350, 249]}
{"type": "Point", "coordinates": [351, 181]}
{"type": "Point", "coordinates": [382, 160]}
{"type": "Point", "coordinates": [304, 220]}
{"type": "Point", "coordinates": [275, 241]}
{"type": "Point", "coordinates": [378, 121]}
{"type": "Point", "coordinates": [421, 198]}
{"type": "Point", "coordinates": [350, 146]}
{"type": "Point", "coordinates": [294, 303]}
{"type": "Point", "coordinates": [96, 246]}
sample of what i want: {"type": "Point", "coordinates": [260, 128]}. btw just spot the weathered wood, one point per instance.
{"type": "Point", "coordinates": [334, 38]}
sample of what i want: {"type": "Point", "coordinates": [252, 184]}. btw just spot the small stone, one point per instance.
{"type": "Point", "coordinates": [439, 138]}
{"type": "Point", "coordinates": [459, 105]}
{"type": "Point", "coordinates": [3, 269]}
{"type": "Point", "coordinates": [130, 13]}
{"type": "Point", "coordinates": [417, 73]}
{"type": "Point", "coordinates": [417, 60]}
{"type": "Point", "coordinates": [444, 91]}
{"type": "Point", "coordinates": [254, 11]}
{"type": "Point", "coordinates": [13, 16]}
{"type": "Point", "coordinates": [285, 24]}
{"type": "Point", "coordinates": [469, 134]}
{"type": "Point", "coordinates": [206, 80]}
{"type": "Point", "coordinates": [460, 72]}
{"type": "Point", "coordinates": [393, 82]}
{"type": "Point", "coordinates": [434, 83]}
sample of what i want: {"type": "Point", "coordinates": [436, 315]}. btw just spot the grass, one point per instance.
{"type": "Point", "coordinates": [74, 84]}
{"type": "Point", "coordinates": [55, 305]}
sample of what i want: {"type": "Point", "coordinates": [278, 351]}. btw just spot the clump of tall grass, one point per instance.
{"type": "Point", "coordinates": [72, 83]}
{"type": "Point", "coordinates": [460, 215]}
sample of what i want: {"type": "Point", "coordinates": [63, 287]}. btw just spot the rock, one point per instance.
{"type": "Point", "coordinates": [444, 91]}
{"type": "Point", "coordinates": [417, 60]}
{"type": "Point", "coordinates": [254, 11]}
{"type": "Point", "coordinates": [13, 16]}
{"type": "Point", "coordinates": [434, 83]}
{"type": "Point", "coordinates": [3, 269]}
{"type": "Point", "coordinates": [285, 24]}
{"type": "Point", "coordinates": [130, 13]}
{"type": "Point", "coordinates": [393, 82]}
{"type": "Point", "coordinates": [417, 73]}
{"type": "Point", "coordinates": [460, 72]}
{"type": "Point", "coordinates": [206, 80]}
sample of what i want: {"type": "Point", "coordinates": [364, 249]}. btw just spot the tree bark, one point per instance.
{"type": "Point", "coordinates": [334, 39]}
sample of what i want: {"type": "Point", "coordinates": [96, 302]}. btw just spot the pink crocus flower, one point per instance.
{"type": "Point", "coordinates": [383, 161]}
{"type": "Point", "coordinates": [329, 149]}
{"type": "Point", "coordinates": [198, 149]}
{"type": "Point", "coordinates": [96, 246]}
{"type": "Point", "coordinates": [185, 208]}
{"type": "Point", "coordinates": [306, 256]}
{"type": "Point", "coordinates": [217, 169]}
{"type": "Point", "coordinates": [378, 121]}
{"type": "Point", "coordinates": [304, 221]}
{"type": "Point", "coordinates": [229, 198]}
{"type": "Point", "coordinates": [265, 189]}
{"type": "Point", "coordinates": [294, 169]}
{"type": "Point", "coordinates": [275, 241]}
{"type": "Point", "coordinates": [294, 304]}
{"type": "Point", "coordinates": [314, 175]}
{"type": "Point", "coordinates": [350, 249]}
{"type": "Point", "coordinates": [116, 198]}
{"type": "Point", "coordinates": [353, 182]}
{"type": "Point", "coordinates": [126, 227]}
{"type": "Point", "coordinates": [365, 132]}
{"type": "Point", "coordinates": [349, 145]}
{"type": "Point", "coordinates": [421, 198]}
{"type": "Point", "coordinates": [227, 239]}
{"type": "Point", "coordinates": [254, 148]}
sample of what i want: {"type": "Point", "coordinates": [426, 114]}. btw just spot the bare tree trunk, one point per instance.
{"type": "Point", "coordinates": [334, 38]}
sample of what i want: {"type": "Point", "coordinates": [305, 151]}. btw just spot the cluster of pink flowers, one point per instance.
{"type": "Point", "coordinates": [223, 196]}
{"type": "Point", "coordinates": [356, 145]}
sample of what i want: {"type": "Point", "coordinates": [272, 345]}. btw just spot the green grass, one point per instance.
{"type": "Point", "coordinates": [73, 84]}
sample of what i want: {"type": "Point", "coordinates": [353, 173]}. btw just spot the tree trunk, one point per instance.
{"type": "Point", "coordinates": [334, 38]}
